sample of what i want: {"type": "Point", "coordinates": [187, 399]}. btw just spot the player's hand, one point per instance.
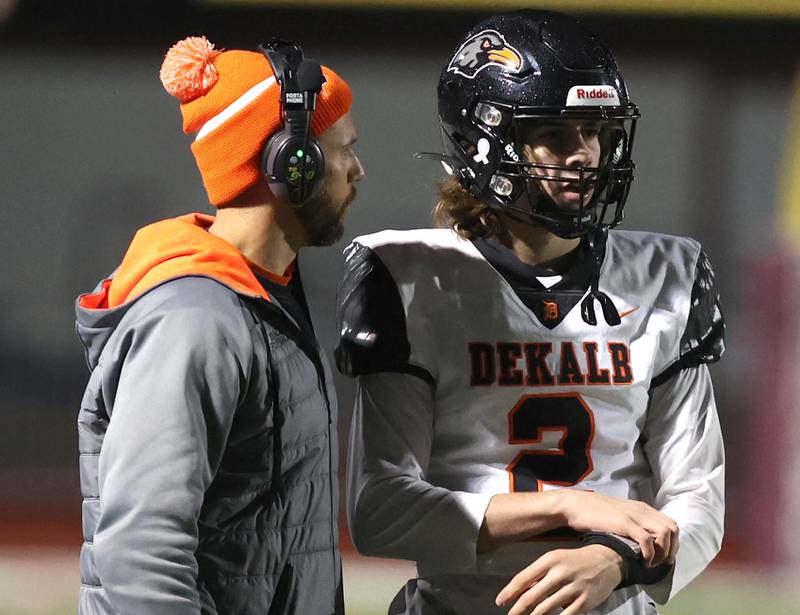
{"type": "Point", "coordinates": [575, 579]}
{"type": "Point", "coordinates": [657, 534]}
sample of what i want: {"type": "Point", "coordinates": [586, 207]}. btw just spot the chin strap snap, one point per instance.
{"type": "Point", "coordinates": [610, 312]}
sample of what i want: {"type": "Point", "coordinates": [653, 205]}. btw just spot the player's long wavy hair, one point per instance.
{"type": "Point", "coordinates": [466, 215]}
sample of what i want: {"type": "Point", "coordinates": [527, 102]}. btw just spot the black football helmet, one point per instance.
{"type": "Point", "coordinates": [528, 66]}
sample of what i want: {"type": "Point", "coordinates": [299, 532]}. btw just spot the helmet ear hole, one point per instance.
{"type": "Point", "coordinates": [467, 146]}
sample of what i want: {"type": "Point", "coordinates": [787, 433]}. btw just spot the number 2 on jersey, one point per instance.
{"type": "Point", "coordinates": [565, 462]}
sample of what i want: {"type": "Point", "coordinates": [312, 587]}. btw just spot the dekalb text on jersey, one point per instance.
{"type": "Point", "coordinates": [499, 363]}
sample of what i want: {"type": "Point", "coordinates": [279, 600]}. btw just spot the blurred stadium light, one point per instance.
{"type": "Point", "coordinates": [708, 8]}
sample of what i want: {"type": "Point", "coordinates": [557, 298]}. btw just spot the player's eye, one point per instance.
{"type": "Point", "coordinates": [590, 130]}
{"type": "Point", "coordinates": [553, 133]}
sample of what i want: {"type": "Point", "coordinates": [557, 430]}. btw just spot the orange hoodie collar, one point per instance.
{"type": "Point", "coordinates": [176, 248]}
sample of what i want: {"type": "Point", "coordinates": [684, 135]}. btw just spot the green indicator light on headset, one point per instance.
{"type": "Point", "coordinates": [299, 153]}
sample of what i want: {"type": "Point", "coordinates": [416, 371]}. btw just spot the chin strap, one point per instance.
{"type": "Point", "coordinates": [610, 312]}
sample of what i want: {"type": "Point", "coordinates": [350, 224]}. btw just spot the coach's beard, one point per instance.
{"type": "Point", "coordinates": [323, 219]}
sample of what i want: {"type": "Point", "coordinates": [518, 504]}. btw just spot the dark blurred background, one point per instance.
{"type": "Point", "coordinates": [92, 149]}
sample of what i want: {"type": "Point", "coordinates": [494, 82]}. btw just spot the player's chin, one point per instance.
{"type": "Point", "coordinates": [570, 200]}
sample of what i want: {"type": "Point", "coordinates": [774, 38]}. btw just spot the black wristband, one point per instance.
{"type": "Point", "coordinates": [634, 570]}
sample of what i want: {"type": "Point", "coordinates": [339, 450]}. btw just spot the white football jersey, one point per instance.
{"type": "Point", "coordinates": [475, 379]}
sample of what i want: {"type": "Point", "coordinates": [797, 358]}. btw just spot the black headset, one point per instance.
{"type": "Point", "coordinates": [292, 159]}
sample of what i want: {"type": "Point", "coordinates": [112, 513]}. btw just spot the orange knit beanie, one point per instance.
{"type": "Point", "coordinates": [231, 99]}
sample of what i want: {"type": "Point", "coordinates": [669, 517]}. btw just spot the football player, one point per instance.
{"type": "Point", "coordinates": [535, 424]}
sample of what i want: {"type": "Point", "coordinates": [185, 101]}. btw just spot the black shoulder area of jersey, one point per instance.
{"type": "Point", "coordinates": [703, 339]}
{"type": "Point", "coordinates": [370, 318]}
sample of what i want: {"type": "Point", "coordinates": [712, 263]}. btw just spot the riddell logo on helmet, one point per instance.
{"type": "Point", "coordinates": [593, 93]}
{"type": "Point", "coordinates": [592, 96]}
{"type": "Point", "coordinates": [509, 149]}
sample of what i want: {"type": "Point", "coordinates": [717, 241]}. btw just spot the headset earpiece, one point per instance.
{"type": "Point", "coordinates": [292, 161]}
{"type": "Point", "coordinates": [292, 166]}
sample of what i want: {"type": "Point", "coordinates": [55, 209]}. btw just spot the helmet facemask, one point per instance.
{"type": "Point", "coordinates": [521, 184]}
{"type": "Point", "coordinates": [487, 155]}
{"type": "Point", "coordinates": [602, 189]}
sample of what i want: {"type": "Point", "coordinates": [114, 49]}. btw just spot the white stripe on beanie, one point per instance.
{"type": "Point", "coordinates": [236, 106]}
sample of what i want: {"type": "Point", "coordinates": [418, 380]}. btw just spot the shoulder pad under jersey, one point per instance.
{"type": "Point", "coordinates": [370, 317]}
{"type": "Point", "coordinates": [703, 340]}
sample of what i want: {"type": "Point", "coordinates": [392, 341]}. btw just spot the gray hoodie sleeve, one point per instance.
{"type": "Point", "coordinates": [175, 372]}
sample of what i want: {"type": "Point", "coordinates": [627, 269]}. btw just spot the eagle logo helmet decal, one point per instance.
{"type": "Point", "coordinates": [486, 48]}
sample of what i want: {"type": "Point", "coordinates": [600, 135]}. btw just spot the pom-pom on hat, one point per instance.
{"type": "Point", "coordinates": [231, 100]}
